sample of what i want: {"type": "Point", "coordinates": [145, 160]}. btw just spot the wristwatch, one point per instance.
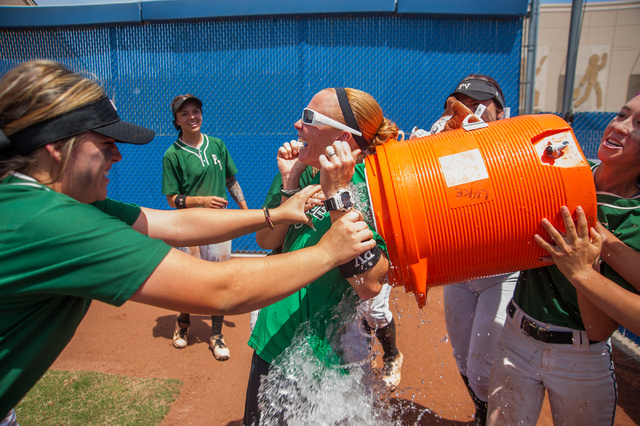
{"type": "Point", "coordinates": [342, 201]}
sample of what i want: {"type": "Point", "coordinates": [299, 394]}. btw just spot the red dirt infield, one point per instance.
{"type": "Point", "coordinates": [135, 340]}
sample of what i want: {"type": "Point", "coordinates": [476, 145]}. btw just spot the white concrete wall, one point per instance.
{"type": "Point", "coordinates": [608, 28]}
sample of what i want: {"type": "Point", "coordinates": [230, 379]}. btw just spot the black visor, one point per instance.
{"type": "Point", "coordinates": [178, 103]}
{"type": "Point", "coordinates": [100, 117]}
{"type": "Point", "coordinates": [478, 89]}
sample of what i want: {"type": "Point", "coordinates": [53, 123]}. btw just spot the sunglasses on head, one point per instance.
{"type": "Point", "coordinates": [314, 118]}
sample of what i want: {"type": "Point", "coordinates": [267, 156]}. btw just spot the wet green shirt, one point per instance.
{"type": "Point", "coordinates": [56, 254]}
{"type": "Point", "coordinates": [546, 295]}
{"type": "Point", "coordinates": [278, 323]}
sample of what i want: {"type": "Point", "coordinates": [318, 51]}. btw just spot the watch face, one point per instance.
{"type": "Point", "coordinates": [345, 197]}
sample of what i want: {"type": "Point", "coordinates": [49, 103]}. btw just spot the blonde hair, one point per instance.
{"type": "Point", "coordinates": [36, 91]}
{"type": "Point", "coordinates": [375, 127]}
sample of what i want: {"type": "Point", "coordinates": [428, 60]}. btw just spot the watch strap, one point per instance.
{"type": "Point", "coordinates": [335, 202]}
{"type": "Point", "coordinates": [330, 204]}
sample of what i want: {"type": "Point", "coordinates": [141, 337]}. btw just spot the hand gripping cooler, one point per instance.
{"type": "Point", "coordinates": [464, 205]}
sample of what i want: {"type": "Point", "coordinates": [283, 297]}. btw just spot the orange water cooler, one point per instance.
{"type": "Point", "coordinates": [465, 204]}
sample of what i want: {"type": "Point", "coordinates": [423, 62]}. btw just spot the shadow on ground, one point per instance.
{"type": "Point", "coordinates": [199, 331]}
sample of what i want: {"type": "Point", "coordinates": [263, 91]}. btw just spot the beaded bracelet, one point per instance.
{"type": "Point", "coordinates": [267, 216]}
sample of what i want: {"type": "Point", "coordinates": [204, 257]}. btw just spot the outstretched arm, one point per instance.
{"type": "Point", "coordinates": [242, 285]}
{"type": "Point", "coordinates": [191, 227]}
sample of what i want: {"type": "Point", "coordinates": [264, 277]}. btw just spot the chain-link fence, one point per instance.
{"type": "Point", "coordinates": [255, 77]}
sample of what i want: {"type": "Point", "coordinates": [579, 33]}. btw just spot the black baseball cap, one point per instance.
{"type": "Point", "coordinates": [177, 103]}
{"type": "Point", "coordinates": [478, 89]}
{"type": "Point", "coordinates": [99, 116]}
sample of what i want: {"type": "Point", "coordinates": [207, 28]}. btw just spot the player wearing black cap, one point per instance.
{"type": "Point", "coordinates": [197, 171]}
{"type": "Point", "coordinates": [475, 311]}
{"type": "Point", "coordinates": [478, 89]}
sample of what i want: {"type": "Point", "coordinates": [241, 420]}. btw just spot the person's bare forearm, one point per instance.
{"type": "Point", "coordinates": [620, 305]}
{"type": "Point", "coordinates": [183, 283]}
{"type": "Point", "coordinates": [190, 227]}
{"type": "Point", "coordinates": [598, 324]}
{"type": "Point", "coordinates": [622, 258]}
{"type": "Point", "coordinates": [269, 239]}
{"type": "Point", "coordinates": [189, 202]}
{"type": "Point", "coordinates": [369, 283]}
{"type": "Point", "coordinates": [236, 192]}
{"type": "Point", "coordinates": [237, 286]}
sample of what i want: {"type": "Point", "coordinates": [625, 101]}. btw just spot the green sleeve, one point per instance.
{"type": "Point", "coordinates": [128, 213]}
{"type": "Point", "coordinates": [273, 195]}
{"type": "Point", "coordinates": [170, 173]}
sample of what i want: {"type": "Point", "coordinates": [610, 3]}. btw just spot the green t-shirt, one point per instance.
{"type": "Point", "coordinates": [278, 323]}
{"type": "Point", "coordinates": [546, 295]}
{"type": "Point", "coordinates": [56, 254]}
{"type": "Point", "coordinates": [197, 172]}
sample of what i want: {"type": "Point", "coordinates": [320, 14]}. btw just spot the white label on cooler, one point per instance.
{"type": "Point", "coordinates": [463, 167]}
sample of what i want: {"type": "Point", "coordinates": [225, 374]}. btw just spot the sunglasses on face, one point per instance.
{"type": "Point", "coordinates": [314, 118]}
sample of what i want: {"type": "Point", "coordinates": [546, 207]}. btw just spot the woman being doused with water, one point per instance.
{"type": "Point", "coordinates": [299, 339]}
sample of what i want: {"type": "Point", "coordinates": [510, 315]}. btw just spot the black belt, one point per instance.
{"type": "Point", "coordinates": [542, 334]}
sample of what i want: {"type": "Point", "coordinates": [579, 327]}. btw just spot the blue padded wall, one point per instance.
{"type": "Point", "coordinates": [255, 77]}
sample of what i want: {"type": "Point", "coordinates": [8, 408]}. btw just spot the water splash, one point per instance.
{"type": "Point", "coordinates": [320, 380]}
{"type": "Point", "coordinates": [361, 202]}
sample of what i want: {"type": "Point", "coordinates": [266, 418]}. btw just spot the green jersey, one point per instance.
{"type": "Point", "coordinates": [278, 323]}
{"type": "Point", "coordinates": [56, 255]}
{"type": "Point", "coordinates": [197, 171]}
{"type": "Point", "coordinates": [545, 293]}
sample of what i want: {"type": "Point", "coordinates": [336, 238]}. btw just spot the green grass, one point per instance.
{"type": "Point", "coordinates": [89, 398]}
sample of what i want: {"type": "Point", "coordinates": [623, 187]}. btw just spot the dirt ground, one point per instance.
{"type": "Point", "coordinates": [135, 340]}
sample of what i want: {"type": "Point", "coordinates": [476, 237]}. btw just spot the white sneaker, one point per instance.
{"type": "Point", "coordinates": [219, 347]}
{"type": "Point", "coordinates": [391, 372]}
{"type": "Point", "coordinates": [180, 335]}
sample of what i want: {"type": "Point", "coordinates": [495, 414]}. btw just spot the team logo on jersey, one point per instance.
{"type": "Point", "coordinates": [216, 161]}
{"type": "Point", "coordinates": [317, 212]}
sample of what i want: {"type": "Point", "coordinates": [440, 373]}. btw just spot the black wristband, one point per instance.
{"type": "Point", "coordinates": [181, 201]}
{"type": "Point", "coordinates": [289, 192]}
{"type": "Point", "coordinates": [362, 263]}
